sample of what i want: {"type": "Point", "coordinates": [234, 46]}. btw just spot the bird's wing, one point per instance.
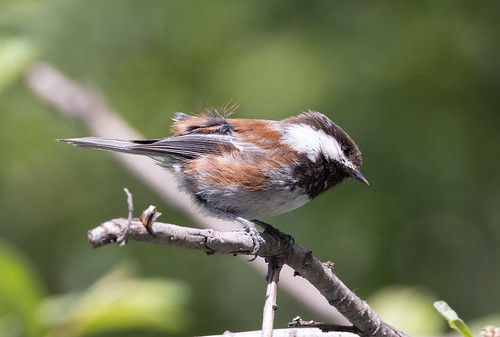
{"type": "Point", "coordinates": [193, 136]}
{"type": "Point", "coordinates": [185, 146]}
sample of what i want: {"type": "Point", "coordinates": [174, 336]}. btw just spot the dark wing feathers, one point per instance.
{"type": "Point", "coordinates": [200, 135]}
{"type": "Point", "coordinates": [187, 146]}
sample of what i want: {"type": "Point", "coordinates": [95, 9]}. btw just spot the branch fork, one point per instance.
{"type": "Point", "coordinates": [277, 248]}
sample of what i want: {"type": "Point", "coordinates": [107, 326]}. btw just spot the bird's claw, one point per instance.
{"type": "Point", "coordinates": [256, 238]}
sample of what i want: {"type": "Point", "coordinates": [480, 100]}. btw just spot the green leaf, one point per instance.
{"type": "Point", "coordinates": [451, 316]}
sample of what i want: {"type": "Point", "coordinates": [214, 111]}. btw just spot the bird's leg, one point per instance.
{"type": "Point", "coordinates": [249, 227]}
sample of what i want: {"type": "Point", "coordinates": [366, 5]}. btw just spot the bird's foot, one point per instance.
{"type": "Point", "coordinates": [249, 227]}
{"type": "Point", "coordinates": [283, 238]}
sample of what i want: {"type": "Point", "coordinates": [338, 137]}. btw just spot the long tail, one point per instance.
{"type": "Point", "coordinates": [114, 145]}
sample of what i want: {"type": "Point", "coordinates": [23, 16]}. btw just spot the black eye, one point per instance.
{"type": "Point", "coordinates": [346, 149]}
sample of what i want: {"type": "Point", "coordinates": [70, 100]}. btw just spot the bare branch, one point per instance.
{"type": "Point", "coordinates": [320, 275]}
{"type": "Point", "coordinates": [274, 266]}
{"type": "Point", "coordinates": [207, 240]}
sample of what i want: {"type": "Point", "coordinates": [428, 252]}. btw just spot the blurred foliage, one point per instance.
{"type": "Point", "coordinates": [407, 308]}
{"type": "Point", "coordinates": [116, 302]}
{"type": "Point", "coordinates": [15, 56]}
{"type": "Point", "coordinates": [414, 83]}
{"type": "Point", "coordinates": [20, 294]}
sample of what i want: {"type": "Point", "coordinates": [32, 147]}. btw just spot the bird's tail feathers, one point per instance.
{"type": "Point", "coordinates": [115, 145]}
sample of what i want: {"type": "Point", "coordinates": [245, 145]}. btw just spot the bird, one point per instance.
{"type": "Point", "coordinates": [245, 169]}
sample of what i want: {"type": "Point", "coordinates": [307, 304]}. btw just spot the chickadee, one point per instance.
{"type": "Point", "coordinates": [248, 168]}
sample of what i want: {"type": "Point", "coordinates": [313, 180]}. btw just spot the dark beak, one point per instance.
{"type": "Point", "coordinates": [359, 176]}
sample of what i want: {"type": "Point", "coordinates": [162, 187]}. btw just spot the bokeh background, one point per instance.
{"type": "Point", "coordinates": [416, 84]}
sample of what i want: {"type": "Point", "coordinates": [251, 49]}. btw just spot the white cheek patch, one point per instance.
{"type": "Point", "coordinates": [305, 139]}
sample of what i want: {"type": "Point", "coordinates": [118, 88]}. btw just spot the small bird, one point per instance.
{"type": "Point", "coordinates": [248, 168]}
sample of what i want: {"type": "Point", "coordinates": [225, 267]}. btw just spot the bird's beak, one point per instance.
{"type": "Point", "coordinates": [359, 176]}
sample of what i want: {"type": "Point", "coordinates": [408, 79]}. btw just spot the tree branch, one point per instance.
{"type": "Point", "coordinates": [320, 275]}
{"type": "Point", "coordinates": [274, 266]}
{"type": "Point", "coordinates": [207, 240]}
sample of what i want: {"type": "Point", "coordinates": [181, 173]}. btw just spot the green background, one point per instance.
{"type": "Point", "coordinates": [416, 84]}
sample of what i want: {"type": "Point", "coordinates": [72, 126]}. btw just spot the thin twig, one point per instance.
{"type": "Point", "coordinates": [274, 266]}
{"type": "Point", "coordinates": [123, 240]}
